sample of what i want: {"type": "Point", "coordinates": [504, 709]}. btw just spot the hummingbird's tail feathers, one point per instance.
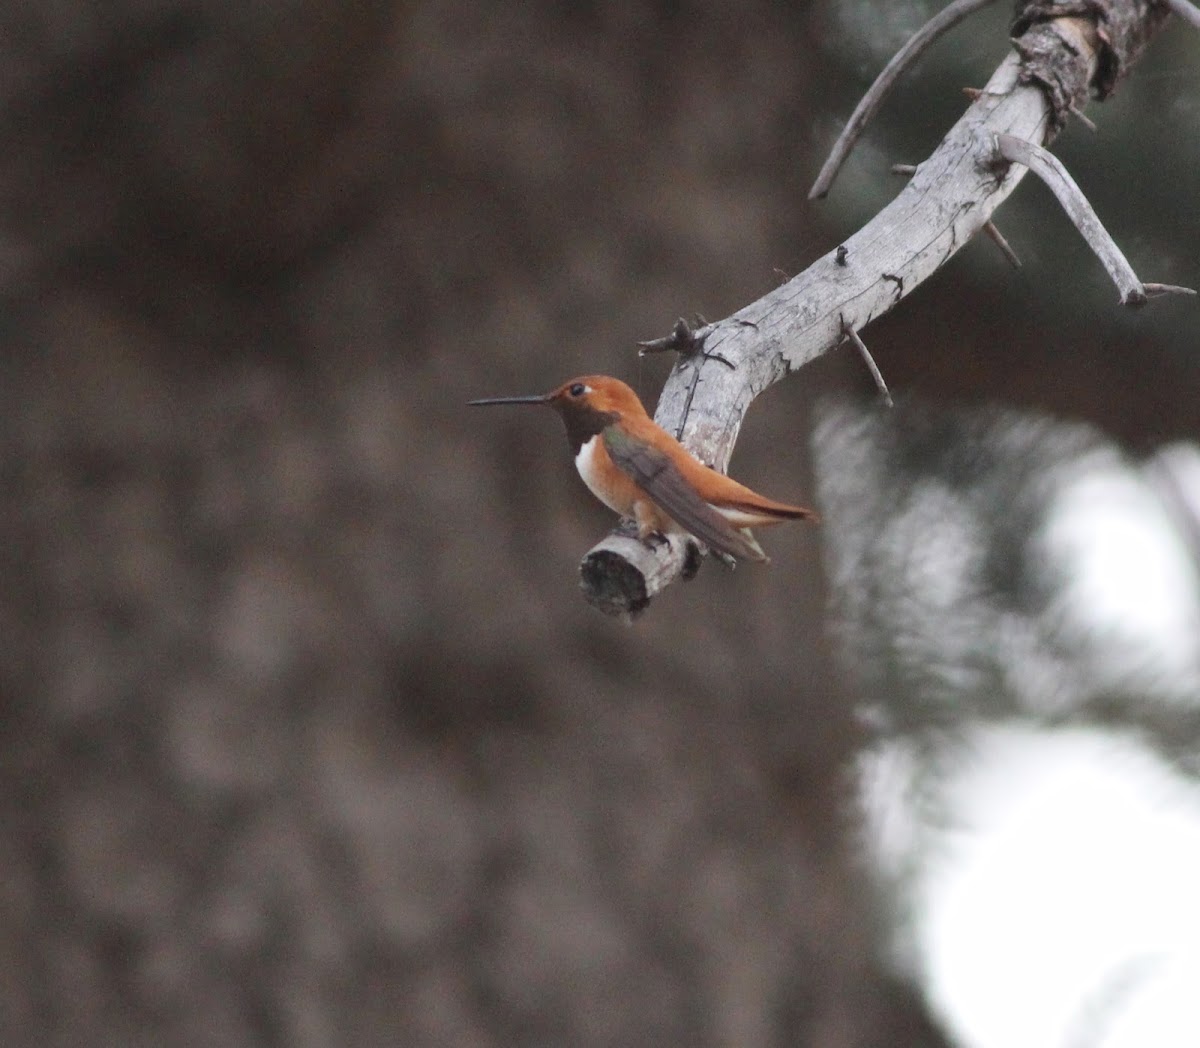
{"type": "Point", "coordinates": [760, 512]}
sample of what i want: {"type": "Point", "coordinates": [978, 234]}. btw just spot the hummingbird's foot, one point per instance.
{"type": "Point", "coordinates": [654, 539]}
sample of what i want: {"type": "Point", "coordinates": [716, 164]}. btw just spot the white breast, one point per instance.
{"type": "Point", "coordinates": [585, 462]}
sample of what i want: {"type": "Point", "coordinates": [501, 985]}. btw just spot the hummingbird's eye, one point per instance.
{"type": "Point", "coordinates": [577, 389]}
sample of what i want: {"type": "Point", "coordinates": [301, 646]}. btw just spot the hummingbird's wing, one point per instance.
{"type": "Point", "coordinates": [654, 472]}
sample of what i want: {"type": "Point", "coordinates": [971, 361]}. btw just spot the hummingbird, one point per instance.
{"type": "Point", "coordinates": [639, 470]}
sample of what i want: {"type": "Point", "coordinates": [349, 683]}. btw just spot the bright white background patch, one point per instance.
{"type": "Point", "coordinates": [1132, 581]}
{"type": "Point", "coordinates": [1061, 896]}
{"type": "Point", "coordinates": [1050, 877]}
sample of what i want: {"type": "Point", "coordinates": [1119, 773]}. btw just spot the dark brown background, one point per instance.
{"type": "Point", "coordinates": [306, 737]}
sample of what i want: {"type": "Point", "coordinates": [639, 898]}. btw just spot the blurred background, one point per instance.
{"type": "Point", "coordinates": [306, 735]}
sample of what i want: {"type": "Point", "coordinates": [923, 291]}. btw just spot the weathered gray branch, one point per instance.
{"type": "Point", "coordinates": [950, 197]}
{"type": "Point", "coordinates": [1185, 10]}
{"type": "Point", "coordinates": [989, 227]}
{"type": "Point", "coordinates": [1050, 170]}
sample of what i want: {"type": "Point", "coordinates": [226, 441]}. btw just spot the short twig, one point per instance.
{"type": "Point", "coordinates": [876, 374]}
{"type": "Point", "coordinates": [1083, 118]}
{"type": "Point", "coordinates": [989, 227]}
{"type": "Point", "coordinates": [904, 169]}
{"type": "Point", "coordinates": [1187, 11]}
{"type": "Point", "coordinates": [1050, 170]}
{"type": "Point", "coordinates": [1154, 290]}
{"type": "Point", "coordinates": [869, 105]}
{"type": "Point", "coordinates": [682, 339]}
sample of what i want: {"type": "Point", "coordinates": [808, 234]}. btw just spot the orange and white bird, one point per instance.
{"type": "Point", "coordinates": [639, 470]}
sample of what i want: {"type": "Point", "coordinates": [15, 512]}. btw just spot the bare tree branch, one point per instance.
{"type": "Point", "coordinates": [1058, 60]}
{"type": "Point", "coordinates": [943, 21]}
{"type": "Point", "coordinates": [1187, 11]}
{"type": "Point", "coordinates": [989, 227]}
{"type": "Point", "coordinates": [1050, 170]}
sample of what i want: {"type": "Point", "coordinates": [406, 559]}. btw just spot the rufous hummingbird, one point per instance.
{"type": "Point", "coordinates": [639, 470]}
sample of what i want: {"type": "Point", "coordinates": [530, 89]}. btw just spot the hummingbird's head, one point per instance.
{"type": "Point", "coordinates": [595, 394]}
{"type": "Point", "coordinates": [588, 405]}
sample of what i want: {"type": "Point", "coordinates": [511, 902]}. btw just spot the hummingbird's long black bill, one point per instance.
{"type": "Point", "coordinates": [506, 400]}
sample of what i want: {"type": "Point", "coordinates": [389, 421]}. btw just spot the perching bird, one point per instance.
{"type": "Point", "coordinates": [639, 470]}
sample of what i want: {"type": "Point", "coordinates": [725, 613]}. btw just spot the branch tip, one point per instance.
{"type": "Point", "coordinates": [1050, 170]}
{"type": "Point", "coordinates": [872, 367]}
{"type": "Point", "coordinates": [997, 238]}
{"type": "Point", "coordinates": [1156, 290]}
{"type": "Point", "coordinates": [613, 584]}
{"type": "Point", "coordinates": [1083, 118]}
